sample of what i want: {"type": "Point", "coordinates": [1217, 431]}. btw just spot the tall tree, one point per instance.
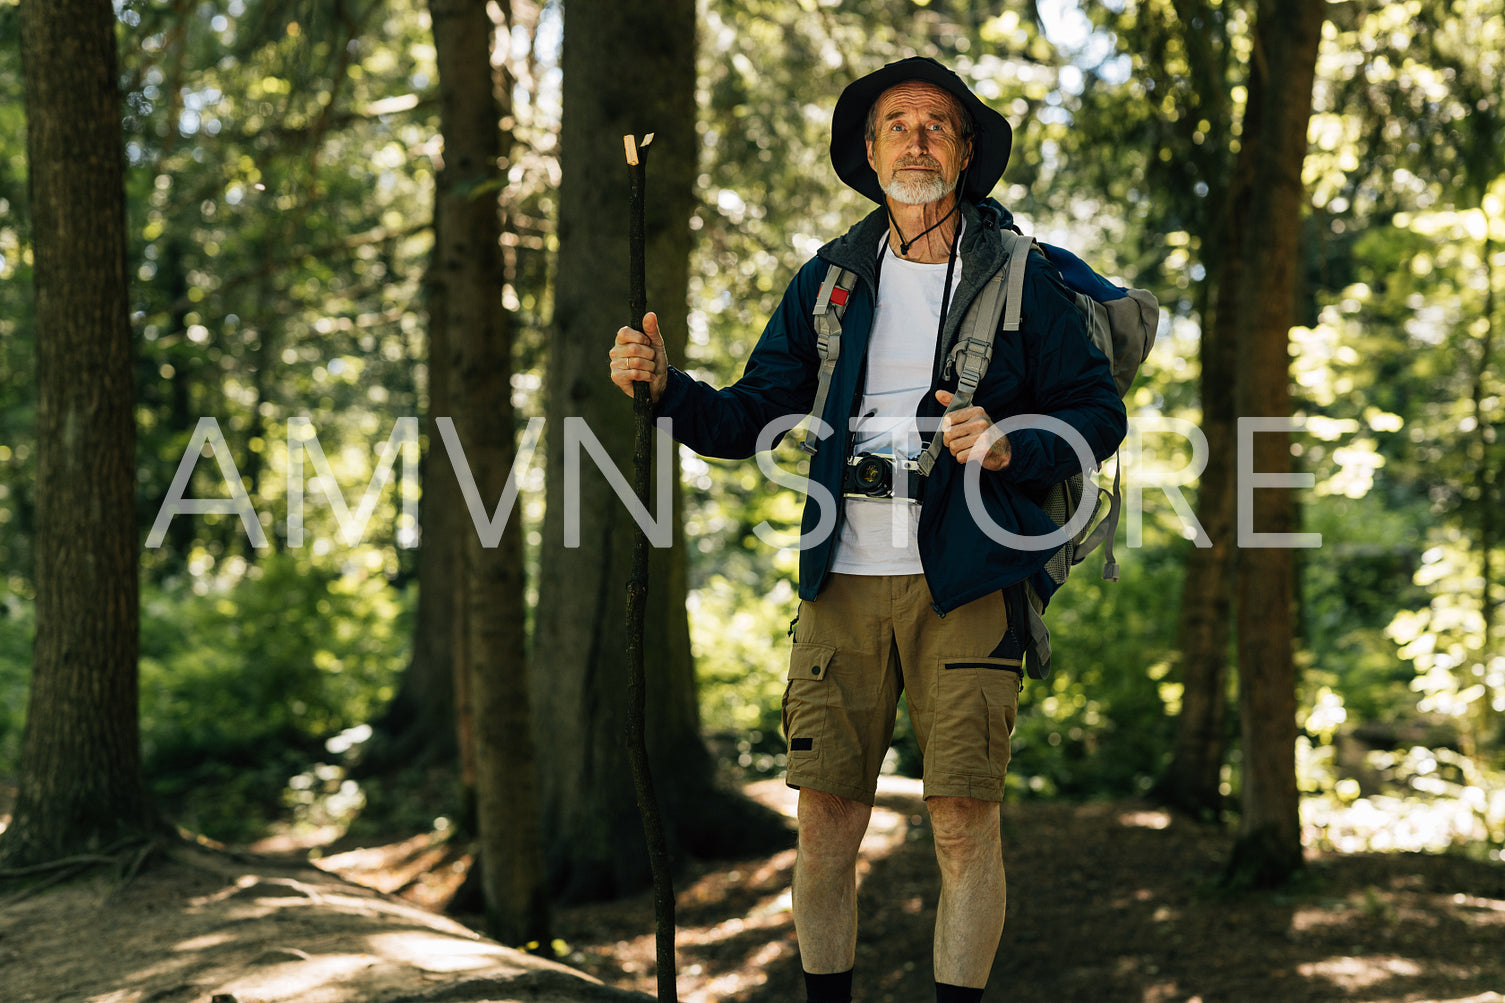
{"type": "Point", "coordinates": [1185, 65]}
{"type": "Point", "coordinates": [492, 634]}
{"type": "Point", "coordinates": [594, 840]}
{"type": "Point", "coordinates": [1268, 179]}
{"type": "Point", "coordinates": [425, 723]}
{"type": "Point", "coordinates": [1193, 778]}
{"type": "Point", "coordinates": [80, 783]}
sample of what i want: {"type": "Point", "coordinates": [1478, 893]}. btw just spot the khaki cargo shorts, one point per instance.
{"type": "Point", "coordinates": [865, 640]}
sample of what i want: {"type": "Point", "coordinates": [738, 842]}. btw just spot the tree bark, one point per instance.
{"type": "Point", "coordinates": [80, 785]}
{"type": "Point", "coordinates": [1287, 36]}
{"type": "Point", "coordinates": [595, 845]}
{"type": "Point", "coordinates": [469, 260]}
{"type": "Point", "coordinates": [1192, 781]}
{"type": "Point", "coordinates": [419, 726]}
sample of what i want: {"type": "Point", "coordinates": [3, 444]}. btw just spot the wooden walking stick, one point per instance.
{"type": "Point", "coordinates": [637, 595]}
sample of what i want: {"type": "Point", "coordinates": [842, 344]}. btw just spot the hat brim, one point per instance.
{"type": "Point", "coordinates": [991, 142]}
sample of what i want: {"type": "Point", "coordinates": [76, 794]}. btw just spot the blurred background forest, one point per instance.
{"type": "Point", "coordinates": [297, 175]}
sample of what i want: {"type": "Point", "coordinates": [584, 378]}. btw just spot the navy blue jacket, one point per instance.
{"type": "Point", "coordinates": [1049, 366]}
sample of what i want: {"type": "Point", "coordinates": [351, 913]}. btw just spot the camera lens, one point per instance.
{"type": "Point", "coordinates": [872, 476]}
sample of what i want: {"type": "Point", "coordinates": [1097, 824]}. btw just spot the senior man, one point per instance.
{"type": "Point", "coordinates": [902, 585]}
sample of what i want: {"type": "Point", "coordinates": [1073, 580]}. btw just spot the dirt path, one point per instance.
{"type": "Point", "coordinates": [1107, 902]}
{"type": "Point", "coordinates": [206, 926]}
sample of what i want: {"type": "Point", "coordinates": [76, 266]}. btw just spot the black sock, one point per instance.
{"type": "Point", "coordinates": [956, 994]}
{"type": "Point", "coordinates": [833, 988]}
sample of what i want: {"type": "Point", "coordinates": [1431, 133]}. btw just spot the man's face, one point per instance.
{"type": "Point", "coordinates": [917, 150]}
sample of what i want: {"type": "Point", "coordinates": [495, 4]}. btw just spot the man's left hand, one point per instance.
{"type": "Point", "coordinates": [972, 437]}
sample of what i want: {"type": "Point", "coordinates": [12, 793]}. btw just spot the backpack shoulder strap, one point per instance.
{"type": "Point", "coordinates": [1019, 245]}
{"type": "Point", "coordinates": [830, 307]}
{"type": "Point", "coordinates": [973, 350]}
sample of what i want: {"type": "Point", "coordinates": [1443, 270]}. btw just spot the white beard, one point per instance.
{"type": "Point", "coordinates": [905, 188]}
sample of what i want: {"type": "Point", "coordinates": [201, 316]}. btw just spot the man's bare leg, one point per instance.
{"type": "Point", "coordinates": [969, 920]}
{"type": "Point", "coordinates": [825, 880]}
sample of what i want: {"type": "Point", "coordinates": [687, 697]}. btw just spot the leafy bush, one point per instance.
{"type": "Point", "coordinates": [1102, 722]}
{"type": "Point", "coordinates": [243, 679]}
{"type": "Point", "coordinates": [17, 628]}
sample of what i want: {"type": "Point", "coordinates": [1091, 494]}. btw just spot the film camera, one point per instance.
{"type": "Point", "coordinates": [871, 475]}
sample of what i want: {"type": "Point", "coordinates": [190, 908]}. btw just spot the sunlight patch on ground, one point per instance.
{"type": "Point", "coordinates": [769, 919]}
{"type": "Point", "coordinates": [1353, 974]}
{"type": "Point", "coordinates": [415, 868]}
{"type": "Point", "coordinates": [1166, 992]}
{"type": "Point", "coordinates": [1145, 819]}
{"type": "Point", "coordinates": [435, 953]}
{"type": "Point", "coordinates": [1481, 911]}
{"type": "Point", "coordinates": [886, 830]}
{"type": "Point", "coordinates": [1403, 902]}
{"type": "Point", "coordinates": [314, 980]}
{"type": "Point", "coordinates": [756, 974]}
{"type": "Point", "coordinates": [1308, 919]}
{"type": "Point", "coordinates": [304, 937]}
{"type": "Point", "coordinates": [204, 943]}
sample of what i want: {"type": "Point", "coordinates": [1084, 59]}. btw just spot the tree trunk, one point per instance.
{"type": "Point", "coordinates": [469, 261]}
{"type": "Point", "coordinates": [595, 844]}
{"type": "Point", "coordinates": [1193, 780]}
{"type": "Point", "coordinates": [1287, 36]}
{"type": "Point", "coordinates": [1204, 109]}
{"type": "Point", "coordinates": [80, 785]}
{"type": "Point", "coordinates": [419, 726]}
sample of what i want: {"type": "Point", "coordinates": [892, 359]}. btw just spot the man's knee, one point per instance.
{"type": "Point", "coordinates": [830, 825]}
{"type": "Point", "coordinates": [964, 827]}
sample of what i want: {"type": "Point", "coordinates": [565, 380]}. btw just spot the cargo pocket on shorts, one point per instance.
{"type": "Point", "coordinates": [977, 700]}
{"type": "Point", "coordinates": [807, 699]}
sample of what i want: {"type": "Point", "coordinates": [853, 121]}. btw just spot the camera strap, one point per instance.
{"type": "Point", "coordinates": [830, 309]}
{"type": "Point", "coordinates": [973, 350]}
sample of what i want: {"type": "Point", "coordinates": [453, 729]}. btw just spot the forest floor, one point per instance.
{"type": "Point", "coordinates": [1108, 901]}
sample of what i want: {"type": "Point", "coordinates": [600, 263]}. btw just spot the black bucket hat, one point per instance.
{"type": "Point", "coordinates": [990, 143]}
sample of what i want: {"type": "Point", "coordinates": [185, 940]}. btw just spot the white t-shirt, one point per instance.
{"type": "Point", "coordinates": [880, 535]}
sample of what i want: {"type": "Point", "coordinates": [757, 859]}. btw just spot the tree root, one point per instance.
{"type": "Point", "coordinates": [128, 857]}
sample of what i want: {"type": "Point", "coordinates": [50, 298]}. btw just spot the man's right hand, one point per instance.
{"type": "Point", "coordinates": [640, 355]}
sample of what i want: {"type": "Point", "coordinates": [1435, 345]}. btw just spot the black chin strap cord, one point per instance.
{"type": "Point", "coordinates": [940, 329]}
{"type": "Point", "coordinates": [904, 245]}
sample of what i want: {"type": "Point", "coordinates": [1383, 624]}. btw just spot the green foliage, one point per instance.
{"type": "Point", "coordinates": [1418, 799]}
{"type": "Point", "coordinates": [17, 365]}
{"type": "Point", "coordinates": [280, 185]}
{"type": "Point", "coordinates": [244, 677]}
{"type": "Point", "coordinates": [17, 629]}
{"type": "Point", "coordinates": [741, 663]}
{"type": "Point", "coordinates": [1351, 589]}
{"type": "Point", "coordinates": [280, 188]}
{"type": "Point", "coordinates": [1103, 721]}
